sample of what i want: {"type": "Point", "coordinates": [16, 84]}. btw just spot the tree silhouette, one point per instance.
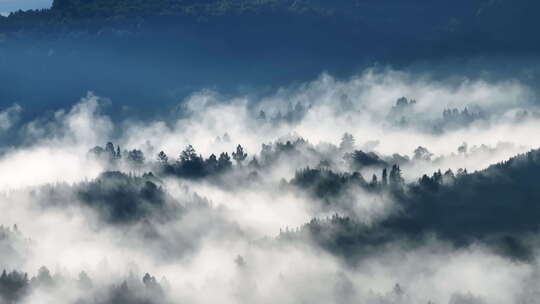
{"type": "Point", "coordinates": [162, 158]}
{"type": "Point", "coordinates": [422, 153]}
{"type": "Point", "coordinates": [110, 150]}
{"type": "Point", "coordinates": [347, 142]}
{"type": "Point", "coordinates": [13, 286]}
{"type": "Point", "coordinates": [211, 164]}
{"type": "Point", "coordinates": [239, 156]}
{"type": "Point", "coordinates": [190, 164]}
{"type": "Point", "coordinates": [374, 181]}
{"type": "Point", "coordinates": [395, 178]}
{"type": "Point", "coordinates": [43, 278]}
{"type": "Point", "coordinates": [224, 162]}
{"type": "Point", "coordinates": [188, 154]}
{"type": "Point", "coordinates": [136, 157]}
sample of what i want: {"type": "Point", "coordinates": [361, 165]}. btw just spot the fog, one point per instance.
{"type": "Point", "coordinates": [298, 219]}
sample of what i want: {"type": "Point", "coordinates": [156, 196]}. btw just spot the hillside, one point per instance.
{"type": "Point", "coordinates": [497, 207]}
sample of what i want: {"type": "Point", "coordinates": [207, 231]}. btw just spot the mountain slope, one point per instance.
{"type": "Point", "coordinates": [498, 207]}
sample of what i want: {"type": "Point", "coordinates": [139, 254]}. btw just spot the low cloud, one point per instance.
{"type": "Point", "coordinates": [9, 117]}
{"type": "Point", "coordinates": [289, 209]}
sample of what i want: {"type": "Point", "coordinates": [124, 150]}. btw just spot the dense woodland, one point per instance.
{"type": "Point", "coordinates": [459, 207]}
{"type": "Point", "coordinates": [430, 205]}
{"type": "Point", "coordinates": [14, 286]}
{"type": "Point", "coordinates": [494, 207]}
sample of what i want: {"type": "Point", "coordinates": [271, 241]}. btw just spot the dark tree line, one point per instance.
{"type": "Point", "coordinates": [192, 165]}
{"type": "Point", "coordinates": [112, 155]}
{"type": "Point", "coordinates": [15, 286]}
{"type": "Point", "coordinates": [117, 198]}
{"type": "Point", "coordinates": [325, 183]}
{"type": "Point", "coordinates": [94, 14]}
{"type": "Point", "coordinates": [189, 163]}
{"type": "Point", "coordinates": [404, 114]}
{"type": "Point", "coordinates": [464, 117]}
{"type": "Point", "coordinates": [120, 198]}
{"type": "Point", "coordinates": [293, 114]}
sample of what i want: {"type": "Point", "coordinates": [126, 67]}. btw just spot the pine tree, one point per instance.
{"type": "Point", "coordinates": [239, 156]}
{"type": "Point", "coordinates": [162, 158]}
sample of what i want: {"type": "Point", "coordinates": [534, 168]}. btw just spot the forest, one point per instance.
{"type": "Point", "coordinates": [460, 208]}
{"type": "Point", "coordinates": [270, 151]}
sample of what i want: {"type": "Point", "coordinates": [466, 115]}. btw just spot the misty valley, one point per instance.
{"type": "Point", "coordinates": [269, 151]}
{"type": "Point", "coordinates": [214, 206]}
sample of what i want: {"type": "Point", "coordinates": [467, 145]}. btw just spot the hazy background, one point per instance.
{"type": "Point", "coordinates": [149, 57]}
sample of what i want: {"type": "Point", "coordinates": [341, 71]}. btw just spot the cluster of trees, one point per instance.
{"type": "Point", "coordinates": [145, 291]}
{"type": "Point", "coordinates": [454, 118]}
{"type": "Point", "coordinates": [496, 207]}
{"type": "Point", "coordinates": [340, 235]}
{"type": "Point", "coordinates": [89, 14]}
{"type": "Point", "coordinates": [16, 285]}
{"type": "Point", "coordinates": [271, 153]}
{"type": "Point", "coordinates": [140, 207]}
{"type": "Point", "coordinates": [118, 198]}
{"type": "Point", "coordinates": [488, 202]}
{"type": "Point", "coordinates": [463, 116]}
{"type": "Point", "coordinates": [13, 286]}
{"type": "Point", "coordinates": [403, 103]}
{"type": "Point", "coordinates": [438, 178]}
{"type": "Point", "coordinates": [360, 159]}
{"type": "Point", "coordinates": [401, 113]}
{"type": "Point", "coordinates": [112, 154]}
{"type": "Point", "coordinates": [291, 115]}
{"type": "Point", "coordinates": [347, 143]}
{"type": "Point", "coordinates": [192, 165]}
{"type": "Point", "coordinates": [189, 163]}
{"type": "Point", "coordinates": [423, 154]}
{"type": "Point", "coordinates": [123, 198]}
{"type": "Point", "coordinates": [327, 184]}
